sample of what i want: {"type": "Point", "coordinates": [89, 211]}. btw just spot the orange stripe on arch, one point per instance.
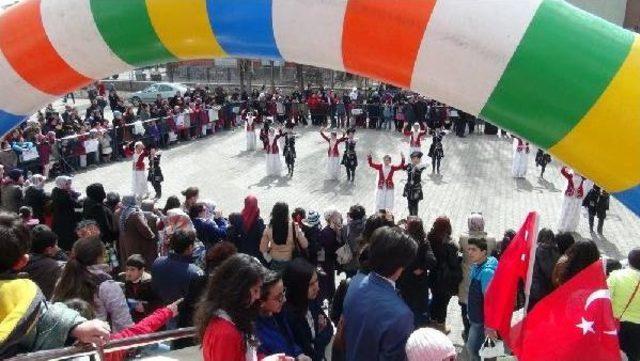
{"type": "Point", "coordinates": [25, 44]}
{"type": "Point", "coordinates": [381, 38]}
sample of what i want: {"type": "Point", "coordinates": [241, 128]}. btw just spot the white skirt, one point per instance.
{"type": "Point", "coordinates": [274, 164]}
{"type": "Point", "coordinates": [251, 140]}
{"type": "Point", "coordinates": [140, 183]}
{"type": "Point", "coordinates": [333, 167]}
{"type": "Point", "coordinates": [384, 199]}
{"type": "Point", "coordinates": [520, 163]}
{"type": "Point", "coordinates": [570, 214]}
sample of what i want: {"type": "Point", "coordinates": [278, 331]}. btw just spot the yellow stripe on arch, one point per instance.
{"type": "Point", "coordinates": [183, 27]}
{"type": "Point", "coordinates": [605, 144]}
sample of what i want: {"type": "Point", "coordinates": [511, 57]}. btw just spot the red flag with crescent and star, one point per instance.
{"type": "Point", "coordinates": [573, 323]}
{"type": "Point", "coordinates": [512, 273]}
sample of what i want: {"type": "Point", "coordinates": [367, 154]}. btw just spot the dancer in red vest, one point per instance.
{"type": "Point", "coordinates": [385, 187]}
{"type": "Point", "coordinates": [570, 213]}
{"type": "Point", "coordinates": [251, 131]}
{"type": "Point", "coordinates": [139, 171]}
{"type": "Point", "coordinates": [333, 161]}
{"type": "Point", "coordinates": [415, 134]}
{"type": "Point", "coordinates": [274, 163]}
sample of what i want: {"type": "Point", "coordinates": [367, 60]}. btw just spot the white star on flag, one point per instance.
{"type": "Point", "coordinates": [586, 326]}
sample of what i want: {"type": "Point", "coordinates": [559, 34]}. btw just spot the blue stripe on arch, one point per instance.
{"type": "Point", "coordinates": [9, 121]}
{"type": "Point", "coordinates": [244, 28]}
{"type": "Point", "coordinates": [631, 199]}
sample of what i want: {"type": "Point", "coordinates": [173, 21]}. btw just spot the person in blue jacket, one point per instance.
{"type": "Point", "coordinates": [377, 322]}
{"type": "Point", "coordinates": [273, 332]}
{"type": "Point", "coordinates": [210, 231]}
{"type": "Point", "coordinates": [482, 272]}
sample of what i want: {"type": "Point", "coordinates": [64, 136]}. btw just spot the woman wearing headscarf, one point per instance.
{"type": "Point", "coordinates": [64, 202]}
{"type": "Point", "coordinates": [253, 227]}
{"type": "Point", "coordinates": [35, 196]}
{"type": "Point", "coordinates": [95, 209]}
{"type": "Point", "coordinates": [175, 219]}
{"type": "Point", "coordinates": [135, 235]}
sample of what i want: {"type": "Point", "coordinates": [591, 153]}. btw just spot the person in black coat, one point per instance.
{"type": "Point", "coordinates": [597, 203]}
{"type": "Point", "coordinates": [155, 176]}
{"type": "Point", "coordinates": [95, 209]}
{"type": "Point", "coordinates": [542, 159]}
{"type": "Point", "coordinates": [64, 202]}
{"type": "Point", "coordinates": [547, 254]}
{"type": "Point", "coordinates": [413, 283]}
{"type": "Point", "coordinates": [35, 196]}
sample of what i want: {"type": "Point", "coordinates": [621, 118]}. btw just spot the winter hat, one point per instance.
{"type": "Point", "coordinates": [313, 218]}
{"type": "Point", "coordinates": [117, 114]}
{"type": "Point", "coordinates": [429, 344]}
{"type": "Point", "coordinates": [15, 174]}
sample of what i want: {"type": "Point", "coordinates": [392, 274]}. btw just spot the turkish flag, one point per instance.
{"type": "Point", "coordinates": [573, 323]}
{"type": "Point", "coordinates": [512, 271]}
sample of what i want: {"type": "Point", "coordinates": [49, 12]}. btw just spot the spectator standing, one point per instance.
{"type": "Point", "coordinates": [86, 276]}
{"type": "Point", "coordinates": [482, 271]}
{"type": "Point", "coordinates": [63, 209]}
{"type": "Point", "coordinates": [209, 231]}
{"type": "Point", "coordinates": [135, 235]}
{"type": "Point", "coordinates": [351, 234]}
{"type": "Point", "coordinates": [43, 268]}
{"type": "Point", "coordinates": [311, 327]}
{"type": "Point", "coordinates": [330, 241]}
{"type": "Point", "coordinates": [11, 191]}
{"type": "Point", "coordinates": [253, 227]}
{"type": "Point", "coordinates": [379, 330]}
{"type": "Point", "coordinates": [138, 288]}
{"type": "Point", "coordinates": [547, 255]}
{"type": "Point", "coordinates": [580, 256]}
{"type": "Point", "coordinates": [282, 238]}
{"type": "Point", "coordinates": [36, 198]}
{"type": "Point", "coordinates": [624, 286]}
{"type": "Point", "coordinates": [447, 275]}
{"type": "Point", "coordinates": [95, 209]}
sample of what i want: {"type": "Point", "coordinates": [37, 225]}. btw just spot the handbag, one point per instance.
{"type": "Point", "coordinates": [491, 349]}
{"type": "Point", "coordinates": [345, 253]}
{"type": "Point", "coordinates": [298, 251]}
{"type": "Point", "coordinates": [633, 295]}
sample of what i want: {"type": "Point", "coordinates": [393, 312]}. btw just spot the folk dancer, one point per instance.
{"type": "Point", "coordinates": [413, 187]}
{"type": "Point", "coordinates": [333, 153]}
{"type": "Point", "coordinates": [289, 151]}
{"type": "Point", "coordinates": [139, 183]}
{"type": "Point", "coordinates": [436, 151]}
{"type": "Point", "coordinates": [251, 131]}
{"type": "Point", "coordinates": [350, 158]}
{"type": "Point", "coordinates": [274, 163]}
{"type": "Point", "coordinates": [520, 158]}
{"type": "Point", "coordinates": [384, 186]}
{"type": "Point", "coordinates": [155, 172]}
{"type": "Point", "coordinates": [415, 134]}
{"type": "Point", "coordinates": [570, 213]}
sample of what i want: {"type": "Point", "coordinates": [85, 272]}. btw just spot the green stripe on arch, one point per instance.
{"type": "Point", "coordinates": [127, 29]}
{"type": "Point", "coordinates": [542, 94]}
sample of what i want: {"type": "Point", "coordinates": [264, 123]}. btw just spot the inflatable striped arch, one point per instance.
{"type": "Point", "coordinates": [563, 79]}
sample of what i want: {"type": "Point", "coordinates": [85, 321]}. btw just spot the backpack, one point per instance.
{"type": "Point", "coordinates": [345, 253]}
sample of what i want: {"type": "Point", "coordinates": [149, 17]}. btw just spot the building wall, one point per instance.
{"type": "Point", "coordinates": [612, 10]}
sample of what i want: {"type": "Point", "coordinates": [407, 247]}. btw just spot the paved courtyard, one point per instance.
{"type": "Point", "coordinates": [476, 176]}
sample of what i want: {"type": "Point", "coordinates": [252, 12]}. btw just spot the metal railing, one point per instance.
{"type": "Point", "coordinates": [112, 346]}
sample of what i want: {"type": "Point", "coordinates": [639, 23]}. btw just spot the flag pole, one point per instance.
{"type": "Point", "coordinates": [532, 260]}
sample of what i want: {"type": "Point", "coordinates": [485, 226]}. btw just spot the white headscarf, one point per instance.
{"type": "Point", "coordinates": [37, 180]}
{"type": "Point", "coordinates": [64, 182]}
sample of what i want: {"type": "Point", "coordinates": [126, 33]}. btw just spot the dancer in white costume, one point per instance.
{"type": "Point", "coordinates": [384, 186]}
{"type": "Point", "coordinates": [139, 179]}
{"type": "Point", "coordinates": [415, 134]}
{"type": "Point", "coordinates": [520, 158]}
{"type": "Point", "coordinates": [274, 163]}
{"type": "Point", "coordinates": [570, 213]}
{"type": "Point", "coordinates": [333, 159]}
{"type": "Point", "coordinates": [251, 131]}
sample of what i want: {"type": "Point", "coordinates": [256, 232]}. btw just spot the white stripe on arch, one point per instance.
{"type": "Point", "coordinates": [310, 31]}
{"type": "Point", "coordinates": [17, 96]}
{"type": "Point", "coordinates": [73, 33]}
{"type": "Point", "coordinates": [466, 48]}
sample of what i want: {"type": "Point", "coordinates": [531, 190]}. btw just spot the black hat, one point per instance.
{"type": "Point", "coordinates": [416, 154]}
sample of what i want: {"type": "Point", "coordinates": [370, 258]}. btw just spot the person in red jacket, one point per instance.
{"type": "Point", "coordinates": [415, 135]}
{"type": "Point", "coordinates": [333, 160]}
{"type": "Point", "coordinates": [225, 316]}
{"type": "Point", "coordinates": [149, 324]}
{"type": "Point", "coordinates": [385, 187]}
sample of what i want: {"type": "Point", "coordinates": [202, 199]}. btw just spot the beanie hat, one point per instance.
{"type": "Point", "coordinates": [429, 344]}
{"type": "Point", "coordinates": [313, 218]}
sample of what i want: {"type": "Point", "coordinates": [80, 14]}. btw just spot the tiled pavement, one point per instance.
{"type": "Point", "coordinates": [476, 176]}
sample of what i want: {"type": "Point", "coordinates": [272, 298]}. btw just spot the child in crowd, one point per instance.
{"type": "Point", "coordinates": [137, 288]}
{"type": "Point", "coordinates": [26, 214]}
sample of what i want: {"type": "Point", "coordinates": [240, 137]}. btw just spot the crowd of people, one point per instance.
{"type": "Point", "coordinates": [257, 287]}
{"type": "Point", "coordinates": [102, 266]}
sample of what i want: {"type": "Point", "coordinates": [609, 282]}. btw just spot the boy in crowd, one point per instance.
{"type": "Point", "coordinates": [137, 288]}
{"type": "Point", "coordinates": [482, 271]}
{"type": "Point", "coordinates": [43, 267]}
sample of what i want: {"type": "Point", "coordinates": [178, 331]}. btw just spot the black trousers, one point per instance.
{"type": "Point", "coordinates": [290, 167]}
{"type": "Point", "coordinates": [413, 207]}
{"type": "Point", "coordinates": [600, 222]}
{"type": "Point", "coordinates": [351, 173]}
{"type": "Point", "coordinates": [157, 187]}
{"type": "Point", "coordinates": [544, 167]}
{"type": "Point", "coordinates": [438, 306]}
{"type": "Point", "coordinates": [435, 164]}
{"type": "Point", "coordinates": [629, 340]}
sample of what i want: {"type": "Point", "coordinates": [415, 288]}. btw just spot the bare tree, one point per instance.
{"type": "Point", "coordinates": [300, 76]}
{"type": "Point", "coordinates": [242, 67]}
{"type": "Point", "coordinates": [272, 76]}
